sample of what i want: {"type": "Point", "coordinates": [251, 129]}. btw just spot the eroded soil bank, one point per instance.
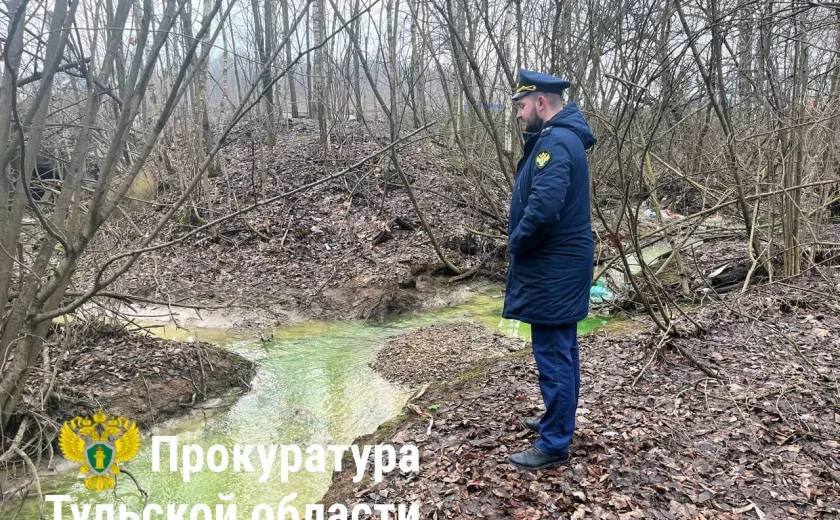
{"type": "Point", "coordinates": [756, 437]}
{"type": "Point", "coordinates": [141, 377]}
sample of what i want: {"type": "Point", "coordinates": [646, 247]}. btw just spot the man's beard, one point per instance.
{"type": "Point", "coordinates": [534, 125]}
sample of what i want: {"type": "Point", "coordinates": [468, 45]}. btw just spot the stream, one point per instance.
{"type": "Point", "coordinates": [313, 386]}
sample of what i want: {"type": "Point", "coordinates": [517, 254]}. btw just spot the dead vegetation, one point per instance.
{"type": "Point", "coordinates": [342, 250]}
{"type": "Point", "coordinates": [439, 352]}
{"type": "Point", "coordinates": [655, 440]}
{"type": "Point", "coordinates": [104, 367]}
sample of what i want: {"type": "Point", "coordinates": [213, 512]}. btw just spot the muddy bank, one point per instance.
{"type": "Point", "coordinates": [355, 303]}
{"type": "Point", "coordinates": [141, 377]}
{"type": "Point", "coordinates": [440, 351]}
{"type": "Point", "coordinates": [759, 439]}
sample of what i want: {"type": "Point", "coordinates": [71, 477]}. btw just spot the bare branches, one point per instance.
{"type": "Point", "coordinates": [100, 283]}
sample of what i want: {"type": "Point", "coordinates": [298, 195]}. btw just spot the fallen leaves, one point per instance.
{"type": "Point", "coordinates": [762, 443]}
{"type": "Point", "coordinates": [304, 253]}
{"type": "Point", "coordinates": [136, 375]}
{"type": "Point", "coordinates": [422, 357]}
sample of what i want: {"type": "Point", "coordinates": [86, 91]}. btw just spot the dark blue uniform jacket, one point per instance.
{"type": "Point", "coordinates": [550, 229]}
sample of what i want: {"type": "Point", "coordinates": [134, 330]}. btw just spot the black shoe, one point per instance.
{"type": "Point", "coordinates": [531, 423]}
{"type": "Point", "coordinates": [535, 459]}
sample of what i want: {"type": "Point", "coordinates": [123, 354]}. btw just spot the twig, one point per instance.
{"type": "Point", "coordinates": [797, 349]}
{"type": "Point", "coordinates": [653, 355]}
{"type": "Point", "coordinates": [142, 491]}
{"type": "Point", "coordinates": [419, 393]}
{"type": "Point", "coordinates": [129, 297]}
{"type": "Point", "coordinates": [421, 412]}
{"type": "Point", "coordinates": [467, 274]}
{"type": "Point", "coordinates": [24, 424]}
{"type": "Point", "coordinates": [35, 477]}
{"type": "Point", "coordinates": [488, 235]}
{"type": "Point", "coordinates": [149, 397]}
{"type": "Point", "coordinates": [706, 370]}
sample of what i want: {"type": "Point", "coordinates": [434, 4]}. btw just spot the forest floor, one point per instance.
{"type": "Point", "coordinates": [341, 250]}
{"type": "Point", "coordinates": [344, 249]}
{"type": "Point", "coordinates": [141, 377]}
{"type": "Point", "coordinates": [758, 436]}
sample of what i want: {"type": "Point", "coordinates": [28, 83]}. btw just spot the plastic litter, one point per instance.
{"type": "Point", "coordinates": [599, 293]}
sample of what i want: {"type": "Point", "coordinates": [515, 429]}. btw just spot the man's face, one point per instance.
{"type": "Point", "coordinates": [526, 113]}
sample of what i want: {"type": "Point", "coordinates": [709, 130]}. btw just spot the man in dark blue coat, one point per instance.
{"type": "Point", "coordinates": [551, 252]}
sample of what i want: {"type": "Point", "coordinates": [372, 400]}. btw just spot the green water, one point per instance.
{"type": "Point", "coordinates": [313, 386]}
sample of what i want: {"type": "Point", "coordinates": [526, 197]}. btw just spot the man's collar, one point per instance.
{"type": "Point", "coordinates": [553, 119]}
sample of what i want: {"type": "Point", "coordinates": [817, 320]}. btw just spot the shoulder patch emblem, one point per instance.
{"type": "Point", "coordinates": [542, 159]}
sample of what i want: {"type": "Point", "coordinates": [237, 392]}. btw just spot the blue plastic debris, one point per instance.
{"type": "Point", "coordinates": [599, 293]}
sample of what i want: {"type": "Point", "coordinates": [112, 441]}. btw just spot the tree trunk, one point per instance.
{"type": "Point", "coordinates": [261, 39]}
{"type": "Point", "coordinates": [201, 100]}
{"type": "Point", "coordinates": [291, 75]}
{"type": "Point", "coordinates": [319, 87]}
{"type": "Point", "coordinates": [794, 165]}
{"type": "Point", "coordinates": [358, 100]}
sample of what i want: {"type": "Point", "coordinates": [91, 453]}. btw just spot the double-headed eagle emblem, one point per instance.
{"type": "Point", "coordinates": [542, 159]}
{"type": "Point", "coordinates": [99, 443]}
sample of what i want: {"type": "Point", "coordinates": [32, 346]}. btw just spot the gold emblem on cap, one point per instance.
{"type": "Point", "coordinates": [526, 88]}
{"type": "Point", "coordinates": [542, 159]}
